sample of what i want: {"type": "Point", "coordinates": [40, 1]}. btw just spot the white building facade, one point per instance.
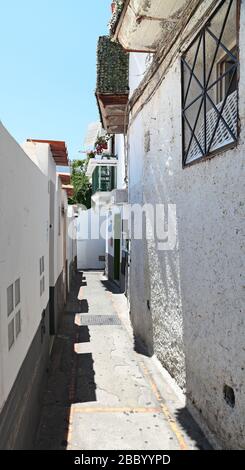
{"type": "Point", "coordinates": [186, 149]}
{"type": "Point", "coordinates": [30, 260]}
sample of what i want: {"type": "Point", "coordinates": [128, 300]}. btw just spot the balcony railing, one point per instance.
{"type": "Point", "coordinates": [112, 87]}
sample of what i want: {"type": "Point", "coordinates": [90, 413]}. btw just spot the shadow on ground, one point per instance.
{"type": "Point", "coordinates": [70, 376]}
{"type": "Point", "coordinates": [111, 287]}
{"type": "Point", "coordinates": [191, 428]}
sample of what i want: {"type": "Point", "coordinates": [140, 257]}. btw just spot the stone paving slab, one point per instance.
{"type": "Point", "coordinates": [120, 430]}
{"type": "Point", "coordinates": [100, 393]}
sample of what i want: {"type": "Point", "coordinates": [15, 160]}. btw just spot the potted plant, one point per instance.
{"type": "Point", "coordinates": [91, 154]}
{"type": "Point", "coordinates": [101, 143]}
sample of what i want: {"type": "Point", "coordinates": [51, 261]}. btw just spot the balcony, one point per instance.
{"type": "Point", "coordinates": [142, 24]}
{"type": "Point", "coordinates": [112, 87]}
{"type": "Point", "coordinates": [102, 174]}
{"type": "Point", "coordinates": [103, 179]}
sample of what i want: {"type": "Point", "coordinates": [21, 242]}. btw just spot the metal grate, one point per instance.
{"type": "Point", "coordinates": [222, 136]}
{"type": "Point", "coordinates": [99, 320]}
{"type": "Point", "coordinates": [209, 80]}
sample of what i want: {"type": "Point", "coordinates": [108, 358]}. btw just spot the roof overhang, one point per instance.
{"type": "Point", "coordinates": [69, 189]}
{"type": "Point", "coordinates": [65, 178]}
{"type": "Point", "coordinates": [113, 111]}
{"type": "Point", "coordinates": [93, 163]}
{"type": "Point", "coordinates": [142, 24]}
{"type": "Point", "coordinates": [66, 183]}
{"type": "Point", "coordinates": [58, 149]}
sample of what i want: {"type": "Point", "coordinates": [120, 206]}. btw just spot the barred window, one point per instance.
{"type": "Point", "coordinates": [210, 86]}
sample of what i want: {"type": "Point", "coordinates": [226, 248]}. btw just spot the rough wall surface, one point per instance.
{"type": "Point", "coordinates": [20, 415]}
{"type": "Point", "coordinates": [196, 290]}
{"type": "Point", "coordinates": [57, 301]}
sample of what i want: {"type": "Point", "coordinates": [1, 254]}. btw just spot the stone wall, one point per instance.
{"type": "Point", "coordinates": [195, 291]}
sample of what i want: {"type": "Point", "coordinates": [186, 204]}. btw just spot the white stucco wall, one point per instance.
{"type": "Point", "coordinates": [138, 64]}
{"type": "Point", "coordinates": [90, 241]}
{"type": "Point", "coordinates": [24, 239]}
{"type": "Point", "coordinates": [119, 151]}
{"type": "Point", "coordinates": [41, 155]}
{"type": "Point", "coordinates": [196, 291]}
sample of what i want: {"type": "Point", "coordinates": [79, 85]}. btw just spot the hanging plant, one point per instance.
{"type": "Point", "coordinates": [117, 6]}
{"type": "Point", "coordinates": [91, 154]}
{"type": "Point", "coordinates": [101, 143]}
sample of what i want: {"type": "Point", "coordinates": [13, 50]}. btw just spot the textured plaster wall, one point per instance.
{"type": "Point", "coordinates": [91, 244]}
{"type": "Point", "coordinates": [138, 276]}
{"type": "Point", "coordinates": [196, 290]}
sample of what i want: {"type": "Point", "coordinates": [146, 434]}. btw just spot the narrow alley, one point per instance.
{"type": "Point", "coordinates": [100, 393]}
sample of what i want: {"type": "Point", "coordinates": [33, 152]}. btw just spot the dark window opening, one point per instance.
{"type": "Point", "coordinates": [225, 68]}
{"type": "Point", "coordinates": [229, 395]}
{"type": "Point", "coordinates": [210, 86]}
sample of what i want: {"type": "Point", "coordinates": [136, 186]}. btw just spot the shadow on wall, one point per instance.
{"type": "Point", "coordinates": [140, 346]}
{"type": "Point", "coordinates": [140, 299]}
{"type": "Point", "coordinates": [194, 290]}
{"type": "Point", "coordinates": [71, 376]}
{"type": "Point", "coordinates": [184, 418]}
{"type": "Point", "coordinates": [156, 307]}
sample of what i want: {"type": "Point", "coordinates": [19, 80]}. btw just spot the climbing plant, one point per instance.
{"type": "Point", "coordinates": [80, 181]}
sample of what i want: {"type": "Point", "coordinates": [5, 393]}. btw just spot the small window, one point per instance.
{"type": "Point", "coordinates": [11, 334]}
{"type": "Point", "coordinates": [224, 69]}
{"type": "Point", "coordinates": [10, 299]}
{"type": "Point", "coordinates": [17, 324]}
{"type": "Point", "coordinates": [43, 264]}
{"type": "Point", "coordinates": [17, 292]}
{"type": "Point", "coordinates": [210, 86]}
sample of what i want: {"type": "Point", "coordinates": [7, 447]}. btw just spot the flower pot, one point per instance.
{"type": "Point", "coordinates": [113, 7]}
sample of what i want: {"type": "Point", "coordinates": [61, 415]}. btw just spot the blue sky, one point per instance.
{"type": "Point", "coordinates": [48, 67]}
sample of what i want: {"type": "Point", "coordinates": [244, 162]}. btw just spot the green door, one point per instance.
{"type": "Point", "coordinates": [117, 246]}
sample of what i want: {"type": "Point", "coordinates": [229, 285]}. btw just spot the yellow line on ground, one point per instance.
{"type": "Point", "coordinates": [94, 409]}
{"type": "Point", "coordinates": [163, 407]}
{"type": "Point", "coordinates": [171, 421]}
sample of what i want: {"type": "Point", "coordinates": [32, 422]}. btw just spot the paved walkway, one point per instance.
{"type": "Point", "coordinates": [101, 394]}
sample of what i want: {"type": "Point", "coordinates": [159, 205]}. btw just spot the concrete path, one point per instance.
{"type": "Point", "coordinates": [101, 394]}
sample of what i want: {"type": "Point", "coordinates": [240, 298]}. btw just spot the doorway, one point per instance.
{"type": "Point", "coordinates": [117, 246]}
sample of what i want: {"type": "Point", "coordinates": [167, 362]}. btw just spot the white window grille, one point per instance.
{"type": "Point", "coordinates": [222, 136]}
